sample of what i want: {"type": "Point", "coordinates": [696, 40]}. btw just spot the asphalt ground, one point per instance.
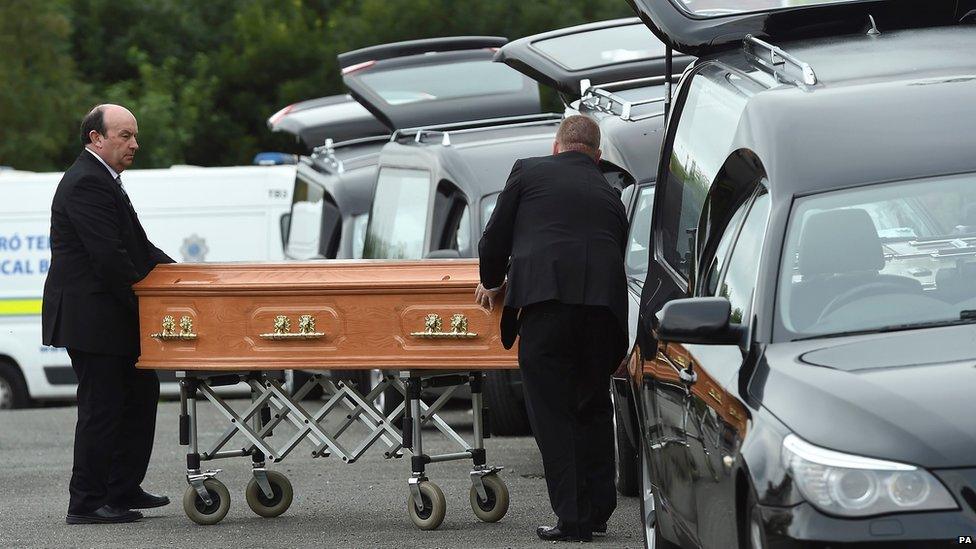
{"type": "Point", "coordinates": [336, 505]}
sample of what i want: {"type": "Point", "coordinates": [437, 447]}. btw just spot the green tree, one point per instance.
{"type": "Point", "coordinates": [40, 95]}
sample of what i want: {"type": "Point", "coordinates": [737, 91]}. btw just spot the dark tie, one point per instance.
{"type": "Point", "coordinates": [118, 179]}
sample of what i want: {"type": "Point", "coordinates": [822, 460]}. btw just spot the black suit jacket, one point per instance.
{"type": "Point", "coordinates": [98, 251]}
{"type": "Point", "coordinates": [558, 231]}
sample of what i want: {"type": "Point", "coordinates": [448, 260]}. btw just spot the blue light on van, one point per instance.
{"type": "Point", "coordinates": [274, 159]}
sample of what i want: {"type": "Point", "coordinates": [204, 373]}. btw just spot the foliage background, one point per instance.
{"type": "Point", "coordinates": [203, 77]}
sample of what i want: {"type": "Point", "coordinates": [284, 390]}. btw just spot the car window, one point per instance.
{"type": "Point", "coordinates": [714, 269]}
{"type": "Point", "coordinates": [739, 281]}
{"type": "Point", "coordinates": [398, 220]}
{"type": "Point", "coordinates": [448, 219]}
{"type": "Point", "coordinates": [638, 243]}
{"type": "Point", "coordinates": [597, 48]}
{"type": "Point", "coordinates": [882, 256]}
{"type": "Point", "coordinates": [443, 81]}
{"type": "Point", "coordinates": [487, 207]}
{"type": "Point", "coordinates": [706, 125]}
{"type": "Point", "coordinates": [315, 224]}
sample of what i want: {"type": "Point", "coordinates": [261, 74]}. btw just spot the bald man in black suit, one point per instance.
{"type": "Point", "coordinates": [98, 251]}
{"type": "Point", "coordinates": [558, 233]}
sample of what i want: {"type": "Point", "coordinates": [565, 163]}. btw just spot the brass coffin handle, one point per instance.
{"type": "Point", "coordinates": [433, 326]}
{"type": "Point", "coordinates": [169, 332]}
{"type": "Point", "coordinates": [282, 329]}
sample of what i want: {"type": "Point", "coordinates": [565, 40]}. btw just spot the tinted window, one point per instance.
{"type": "Point", "coordinates": [430, 82]}
{"type": "Point", "coordinates": [449, 209]}
{"type": "Point", "coordinates": [600, 47]}
{"type": "Point", "coordinates": [398, 220]}
{"type": "Point", "coordinates": [706, 125]}
{"type": "Point", "coordinates": [718, 8]}
{"type": "Point", "coordinates": [739, 282]}
{"type": "Point", "coordinates": [714, 270]}
{"type": "Point", "coordinates": [638, 244]}
{"type": "Point", "coordinates": [315, 224]}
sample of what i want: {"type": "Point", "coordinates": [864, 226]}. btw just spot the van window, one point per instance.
{"type": "Point", "coordinates": [449, 209]}
{"type": "Point", "coordinates": [313, 231]}
{"type": "Point", "coordinates": [706, 125]}
{"type": "Point", "coordinates": [739, 282]}
{"type": "Point", "coordinates": [397, 226]}
{"type": "Point", "coordinates": [638, 243]}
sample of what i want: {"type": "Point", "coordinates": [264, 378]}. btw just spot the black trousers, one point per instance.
{"type": "Point", "coordinates": [566, 355]}
{"type": "Point", "coordinates": [115, 430]}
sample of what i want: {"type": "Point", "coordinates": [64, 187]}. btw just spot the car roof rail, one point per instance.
{"type": "Point", "coordinates": [416, 47]}
{"type": "Point", "coordinates": [601, 97]}
{"type": "Point", "coordinates": [444, 131]}
{"type": "Point", "coordinates": [778, 63]}
{"type": "Point", "coordinates": [327, 151]}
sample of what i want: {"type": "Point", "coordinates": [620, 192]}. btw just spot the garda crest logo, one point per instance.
{"type": "Point", "coordinates": [194, 249]}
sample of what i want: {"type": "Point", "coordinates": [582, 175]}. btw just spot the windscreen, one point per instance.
{"type": "Point", "coordinates": [444, 81]}
{"type": "Point", "coordinates": [597, 48]}
{"type": "Point", "coordinates": [718, 8]}
{"type": "Point", "coordinates": [882, 257]}
{"type": "Point", "coordinates": [398, 220]}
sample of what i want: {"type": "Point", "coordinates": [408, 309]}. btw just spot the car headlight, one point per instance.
{"type": "Point", "coordinates": [849, 485]}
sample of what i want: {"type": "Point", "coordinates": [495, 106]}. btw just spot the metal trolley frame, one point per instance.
{"type": "Point", "coordinates": [269, 493]}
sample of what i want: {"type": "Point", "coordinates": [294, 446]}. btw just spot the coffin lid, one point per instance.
{"type": "Point", "coordinates": [298, 276]}
{"type": "Point", "coordinates": [601, 52]}
{"type": "Point", "coordinates": [725, 23]}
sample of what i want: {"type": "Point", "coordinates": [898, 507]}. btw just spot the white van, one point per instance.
{"type": "Point", "coordinates": [193, 214]}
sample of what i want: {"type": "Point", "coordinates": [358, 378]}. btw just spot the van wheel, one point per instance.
{"type": "Point", "coordinates": [506, 405]}
{"type": "Point", "coordinates": [755, 536]}
{"type": "Point", "coordinates": [13, 389]}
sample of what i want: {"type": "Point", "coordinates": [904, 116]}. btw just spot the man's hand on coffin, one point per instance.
{"type": "Point", "coordinates": [489, 298]}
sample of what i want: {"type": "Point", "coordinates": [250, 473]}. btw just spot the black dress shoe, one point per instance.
{"type": "Point", "coordinates": [555, 533]}
{"type": "Point", "coordinates": [142, 500]}
{"type": "Point", "coordinates": [106, 514]}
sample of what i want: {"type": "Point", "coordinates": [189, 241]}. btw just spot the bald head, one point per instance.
{"type": "Point", "coordinates": [578, 133]}
{"type": "Point", "coordinates": [110, 132]}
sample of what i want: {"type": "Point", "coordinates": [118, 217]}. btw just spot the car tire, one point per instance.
{"type": "Point", "coordinates": [649, 503]}
{"type": "Point", "coordinates": [13, 388]}
{"type": "Point", "coordinates": [754, 535]}
{"type": "Point", "coordinates": [507, 415]}
{"type": "Point", "coordinates": [627, 460]}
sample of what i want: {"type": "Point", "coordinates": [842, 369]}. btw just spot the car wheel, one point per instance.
{"type": "Point", "coordinates": [507, 414]}
{"type": "Point", "coordinates": [628, 480]}
{"type": "Point", "coordinates": [13, 389]}
{"type": "Point", "coordinates": [649, 510]}
{"type": "Point", "coordinates": [755, 535]}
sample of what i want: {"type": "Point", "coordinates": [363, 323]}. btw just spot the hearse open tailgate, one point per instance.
{"type": "Point", "coordinates": [355, 314]}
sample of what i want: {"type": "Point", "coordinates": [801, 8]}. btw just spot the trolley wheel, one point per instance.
{"type": "Point", "coordinates": [435, 507]}
{"type": "Point", "coordinates": [278, 503]}
{"type": "Point", "coordinates": [201, 513]}
{"type": "Point", "coordinates": [495, 507]}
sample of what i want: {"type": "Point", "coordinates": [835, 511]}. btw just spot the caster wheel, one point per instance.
{"type": "Point", "coordinates": [278, 503]}
{"type": "Point", "coordinates": [201, 513]}
{"type": "Point", "coordinates": [435, 507]}
{"type": "Point", "coordinates": [495, 507]}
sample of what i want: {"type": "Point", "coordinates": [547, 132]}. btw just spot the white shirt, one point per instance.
{"type": "Point", "coordinates": [112, 172]}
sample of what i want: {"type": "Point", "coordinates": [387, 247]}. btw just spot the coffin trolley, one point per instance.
{"type": "Point", "coordinates": [222, 324]}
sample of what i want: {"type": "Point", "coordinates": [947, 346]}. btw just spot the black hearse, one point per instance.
{"type": "Point", "coordinates": [807, 339]}
{"type": "Point", "coordinates": [612, 71]}
{"type": "Point", "coordinates": [393, 86]}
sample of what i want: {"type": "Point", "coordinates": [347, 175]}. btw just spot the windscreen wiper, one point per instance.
{"type": "Point", "coordinates": [965, 317]}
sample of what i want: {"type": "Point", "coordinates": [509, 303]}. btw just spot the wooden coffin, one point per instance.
{"type": "Point", "coordinates": [329, 314]}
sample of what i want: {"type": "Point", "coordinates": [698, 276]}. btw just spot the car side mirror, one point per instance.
{"type": "Point", "coordinates": [447, 253]}
{"type": "Point", "coordinates": [702, 320]}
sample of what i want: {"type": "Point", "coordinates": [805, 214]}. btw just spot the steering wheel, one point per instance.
{"type": "Point", "coordinates": [860, 292]}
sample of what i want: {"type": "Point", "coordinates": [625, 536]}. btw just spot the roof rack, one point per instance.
{"type": "Point", "coordinates": [472, 126]}
{"type": "Point", "coordinates": [328, 149]}
{"type": "Point", "coordinates": [777, 62]}
{"type": "Point", "coordinates": [600, 97]}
